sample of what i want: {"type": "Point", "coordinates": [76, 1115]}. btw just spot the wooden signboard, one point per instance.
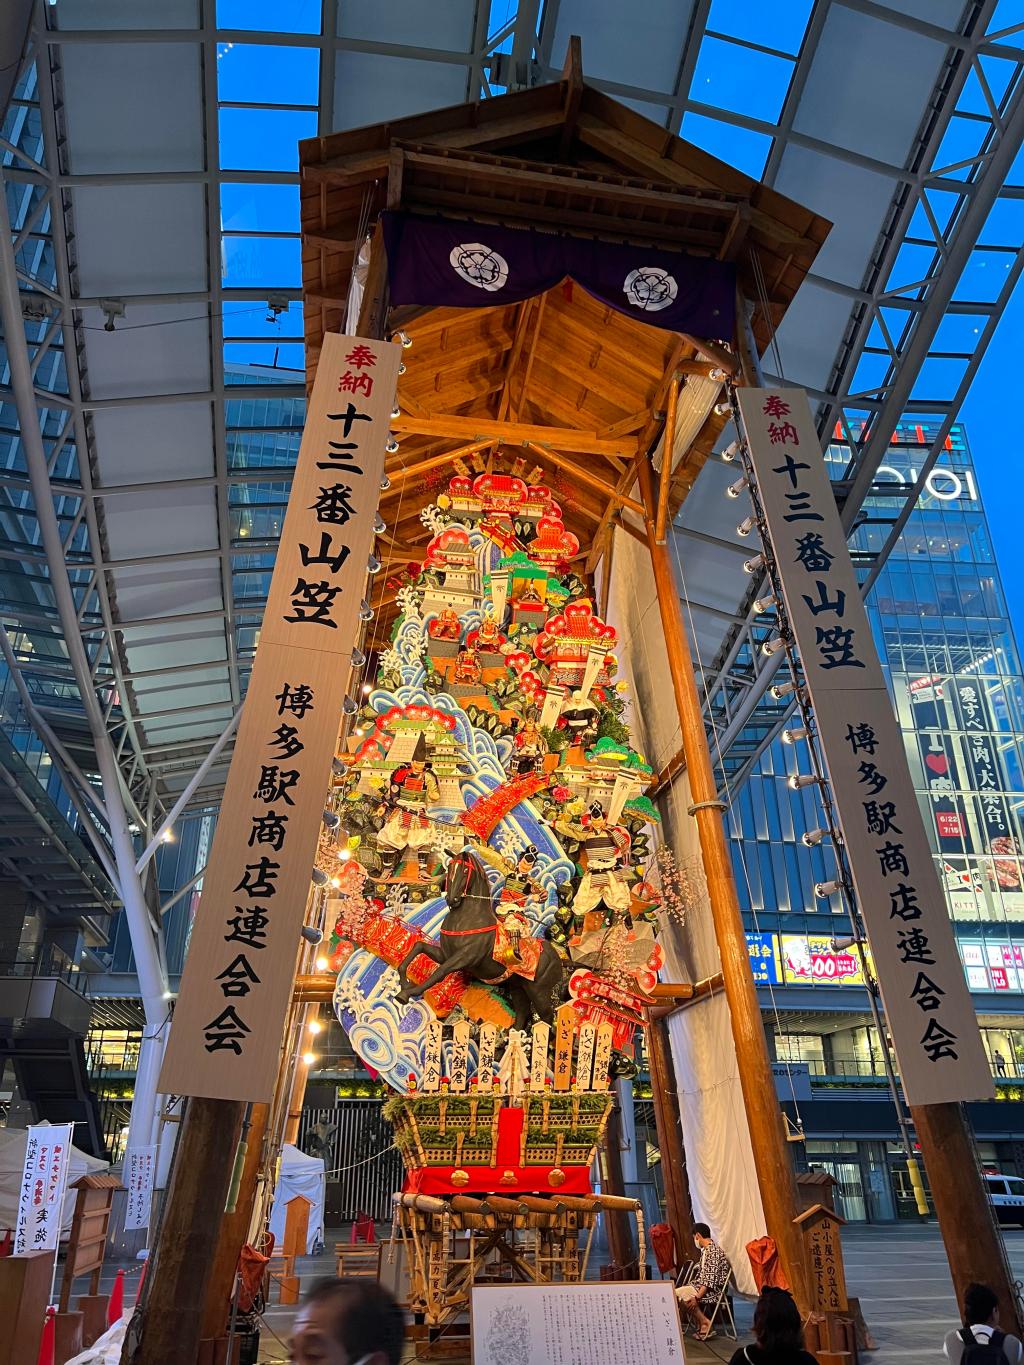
{"type": "Point", "coordinates": [821, 1231]}
{"type": "Point", "coordinates": [225, 1039]}
{"type": "Point", "coordinates": [565, 1023]}
{"type": "Point", "coordinates": [88, 1241]}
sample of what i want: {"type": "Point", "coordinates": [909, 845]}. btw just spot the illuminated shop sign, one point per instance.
{"type": "Point", "coordinates": [764, 959]}
{"type": "Point", "coordinates": [993, 966]}
{"type": "Point", "coordinates": [948, 485]}
{"type": "Point", "coordinates": [812, 960]}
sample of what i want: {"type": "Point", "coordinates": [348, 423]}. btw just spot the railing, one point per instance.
{"type": "Point", "coordinates": [51, 962]}
{"type": "Point", "coordinates": [862, 1069]}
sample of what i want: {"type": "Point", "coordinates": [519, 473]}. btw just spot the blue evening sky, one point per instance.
{"type": "Point", "coordinates": [743, 80]}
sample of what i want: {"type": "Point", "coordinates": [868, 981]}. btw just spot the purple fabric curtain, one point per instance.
{"type": "Point", "coordinates": [438, 262]}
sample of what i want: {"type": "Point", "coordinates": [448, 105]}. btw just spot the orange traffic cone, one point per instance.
{"type": "Point", "coordinates": [48, 1341]}
{"type": "Point", "coordinates": [115, 1308]}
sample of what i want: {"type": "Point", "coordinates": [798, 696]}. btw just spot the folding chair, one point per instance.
{"type": "Point", "coordinates": [686, 1273]}
{"type": "Point", "coordinates": [722, 1310]}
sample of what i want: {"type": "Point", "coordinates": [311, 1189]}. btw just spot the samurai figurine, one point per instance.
{"type": "Point", "coordinates": [581, 719]}
{"type": "Point", "coordinates": [447, 626]}
{"type": "Point", "coordinates": [530, 747]}
{"type": "Point", "coordinates": [603, 850]}
{"type": "Point", "coordinates": [413, 787]}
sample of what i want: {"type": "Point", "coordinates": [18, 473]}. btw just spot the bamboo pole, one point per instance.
{"type": "Point", "coordinates": [775, 1177]}
{"type": "Point", "coordinates": [667, 454]}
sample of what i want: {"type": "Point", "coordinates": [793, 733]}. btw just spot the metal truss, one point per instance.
{"type": "Point", "coordinates": [895, 324]}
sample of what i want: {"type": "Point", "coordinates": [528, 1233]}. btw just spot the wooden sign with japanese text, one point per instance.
{"type": "Point", "coordinates": [930, 1015]}
{"type": "Point", "coordinates": [540, 1036]}
{"type": "Point", "coordinates": [822, 1238]}
{"type": "Point", "coordinates": [226, 1035]}
{"type": "Point", "coordinates": [565, 1023]}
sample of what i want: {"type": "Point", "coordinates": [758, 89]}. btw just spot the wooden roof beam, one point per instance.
{"type": "Point", "coordinates": [484, 429]}
{"type": "Point", "coordinates": [584, 476]}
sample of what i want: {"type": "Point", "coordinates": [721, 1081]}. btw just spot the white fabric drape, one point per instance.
{"type": "Point", "coordinates": [716, 1136]}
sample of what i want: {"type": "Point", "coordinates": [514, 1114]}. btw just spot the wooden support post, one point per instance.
{"type": "Point", "coordinates": [234, 1229]}
{"type": "Point", "coordinates": [668, 1122]}
{"type": "Point", "coordinates": [974, 1244]}
{"type": "Point", "coordinates": [775, 1177]}
{"type": "Point", "coordinates": [620, 1238]}
{"type": "Point", "coordinates": [172, 1309]}
{"type": "Point", "coordinates": [667, 455]}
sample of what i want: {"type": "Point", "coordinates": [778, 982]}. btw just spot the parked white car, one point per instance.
{"type": "Point", "coordinates": [1007, 1195]}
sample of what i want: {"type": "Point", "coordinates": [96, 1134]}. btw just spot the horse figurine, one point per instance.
{"type": "Point", "coordinates": [467, 944]}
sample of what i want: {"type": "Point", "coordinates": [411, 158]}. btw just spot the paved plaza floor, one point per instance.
{"type": "Point", "coordinates": [899, 1272]}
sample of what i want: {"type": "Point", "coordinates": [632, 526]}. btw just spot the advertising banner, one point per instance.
{"type": "Point", "coordinates": [226, 1033]}
{"type": "Point", "coordinates": [929, 1011]}
{"type": "Point", "coordinates": [44, 1181]}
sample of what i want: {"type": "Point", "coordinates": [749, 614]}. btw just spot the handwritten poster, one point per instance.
{"type": "Point", "coordinates": [139, 1181]}
{"type": "Point", "coordinates": [44, 1180]}
{"type": "Point", "coordinates": [226, 1033]}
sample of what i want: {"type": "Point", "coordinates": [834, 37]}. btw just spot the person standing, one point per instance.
{"type": "Point", "coordinates": [713, 1271]}
{"type": "Point", "coordinates": [778, 1331]}
{"type": "Point", "coordinates": [347, 1322]}
{"type": "Point", "coordinates": [981, 1331]}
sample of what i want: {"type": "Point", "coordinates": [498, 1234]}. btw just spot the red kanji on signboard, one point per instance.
{"type": "Point", "coordinates": [355, 383]}
{"type": "Point", "coordinates": [361, 357]}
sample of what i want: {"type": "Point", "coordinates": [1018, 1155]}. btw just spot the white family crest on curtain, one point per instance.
{"type": "Point", "coordinates": [650, 288]}
{"type": "Point", "coordinates": [478, 265]}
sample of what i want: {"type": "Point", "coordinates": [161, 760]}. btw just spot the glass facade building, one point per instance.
{"type": "Point", "coordinates": [942, 627]}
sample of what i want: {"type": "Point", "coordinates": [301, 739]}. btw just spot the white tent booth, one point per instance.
{"type": "Point", "coordinates": [12, 1164]}
{"type": "Point", "coordinates": [305, 1175]}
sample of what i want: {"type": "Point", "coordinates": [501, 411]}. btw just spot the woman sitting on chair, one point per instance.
{"type": "Point", "coordinates": [713, 1271]}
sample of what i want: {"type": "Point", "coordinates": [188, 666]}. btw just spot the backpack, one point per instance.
{"type": "Point", "coordinates": [982, 1352]}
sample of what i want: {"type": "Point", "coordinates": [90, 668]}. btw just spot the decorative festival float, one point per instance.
{"type": "Point", "coordinates": [493, 908]}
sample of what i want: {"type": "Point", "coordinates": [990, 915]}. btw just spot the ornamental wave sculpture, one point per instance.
{"type": "Point", "coordinates": [494, 904]}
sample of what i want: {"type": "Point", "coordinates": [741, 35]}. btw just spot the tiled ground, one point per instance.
{"type": "Point", "coordinates": [899, 1272]}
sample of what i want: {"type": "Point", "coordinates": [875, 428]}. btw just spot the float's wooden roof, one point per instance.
{"type": "Point", "coordinates": [567, 158]}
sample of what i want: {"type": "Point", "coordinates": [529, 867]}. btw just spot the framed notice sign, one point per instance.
{"type": "Point", "coordinates": [606, 1323]}
{"type": "Point", "coordinates": [929, 1012]}
{"type": "Point", "coordinates": [226, 1034]}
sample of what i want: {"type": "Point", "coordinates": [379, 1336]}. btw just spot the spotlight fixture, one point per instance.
{"type": "Point", "coordinates": [773, 646]}
{"type": "Point", "coordinates": [365, 611]}
{"type": "Point", "coordinates": [731, 451]}
{"type": "Point", "coordinates": [385, 483]}
{"type": "Point", "coordinates": [843, 945]}
{"type": "Point", "coordinates": [358, 658]}
{"type": "Point", "coordinates": [349, 707]}
{"type": "Point", "coordinates": [766, 603]}
{"type": "Point", "coordinates": [754, 564]}
{"type": "Point", "coordinates": [797, 781]}
{"type": "Point", "coordinates": [825, 889]}
{"type": "Point", "coordinates": [791, 736]}
{"type": "Point", "coordinates": [318, 878]}
{"type": "Point", "coordinates": [373, 564]}
{"type": "Point", "coordinates": [379, 525]}
{"type": "Point", "coordinates": [735, 489]}
{"type": "Point", "coordinates": [331, 819]}
{"type": "Point", "coordinates": [401, 367]}
{"type": "Point", "coordinates": [396, 412]}
{"type": "Point", "coordinates": [746, 526]}
{"type": "Point", "coordinates": [391, 445]}
{"type": "Point", "coordinates": [723, 410]}
{"type": "Point", "coordinates": [811, 838]}
{"type": "Point", "coordinates": [782, 689]}
{"type": "Point", "coordinates": [717, 376]}
{"type": "Point", "coordinates": [405, 339]}
{"type": "Point", "coordinates": [312, 934]}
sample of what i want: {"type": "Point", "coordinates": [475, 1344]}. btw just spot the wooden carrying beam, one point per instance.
{"type": "Point", "coordinates": [480, 427]}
